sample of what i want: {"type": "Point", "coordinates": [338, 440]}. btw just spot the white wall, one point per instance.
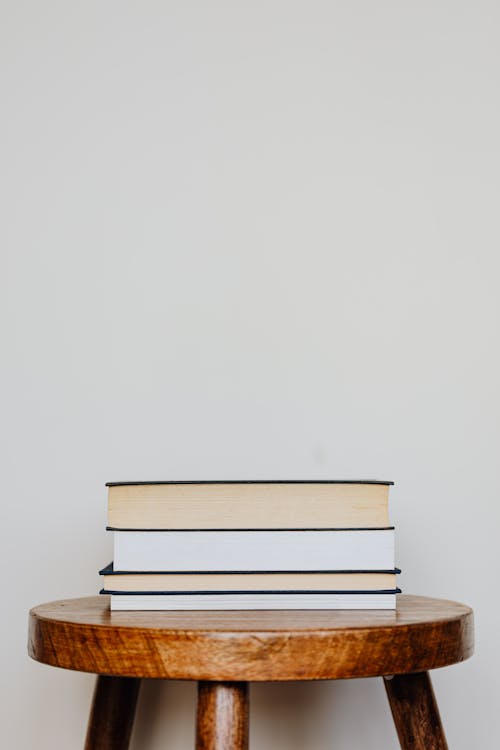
{"type": "Point", "coordinates": [243, 240]}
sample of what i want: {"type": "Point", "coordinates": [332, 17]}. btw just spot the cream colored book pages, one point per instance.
{"type": "Point", "coordinates": [250, 582]}
{"type": "Point", "coordinates": [248, 506]}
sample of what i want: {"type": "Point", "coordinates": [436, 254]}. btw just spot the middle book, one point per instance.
{"type": "Point", "coordinates": [287, 550]}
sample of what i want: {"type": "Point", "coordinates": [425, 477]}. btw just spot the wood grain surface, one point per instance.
{"type": "Point", "coordinates": [222, 716]}
{"type": "Point", "coordinates": [415, 712]}
{"type": "Point", "coordinates": [112, 713]}
{"type": "Point", "coordinates": [84, 635]}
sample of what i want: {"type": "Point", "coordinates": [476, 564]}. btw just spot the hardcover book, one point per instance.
{"type": "Point", "coordinates": [248, 505]}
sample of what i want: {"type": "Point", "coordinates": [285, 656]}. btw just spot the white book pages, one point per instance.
{"type": "Point", "coordinates": [254, 550]}
{"type": "Point", "coordinates": [252, 601]}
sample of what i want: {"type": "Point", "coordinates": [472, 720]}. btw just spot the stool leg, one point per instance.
{"type": "Point", "coordinates": [222, 722]}
{"type": "Point", "coordinates": [112, 713]}
{"type": "Point", "coordinates": [415, 712]}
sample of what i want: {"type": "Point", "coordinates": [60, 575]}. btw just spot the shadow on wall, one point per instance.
{"type": "Point", "coordinates": [283, 716]}
{"type": "Point", "coordinates": [165, 715]}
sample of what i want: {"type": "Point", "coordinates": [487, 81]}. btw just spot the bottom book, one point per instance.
{"type": "Point", "coordinates": [372, 600]}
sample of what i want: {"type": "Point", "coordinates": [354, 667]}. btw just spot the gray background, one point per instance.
{"type": "Point", "coordinates": [249, 240]}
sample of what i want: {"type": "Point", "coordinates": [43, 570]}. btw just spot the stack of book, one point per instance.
{"type": "Point", "coordinates": [250, 545]}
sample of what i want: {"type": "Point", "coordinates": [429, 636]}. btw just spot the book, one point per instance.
{"type": "Point", "coordinates": [252, 601]}
{"type": "Point", "coordinates": [117, 581]}
{"type": "Point", "coordinates": [254, 551]}
{"type": "Point", "coordinates": [248, 504]}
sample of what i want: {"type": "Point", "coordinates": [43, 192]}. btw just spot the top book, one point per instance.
{"type": "Point", "coordinates": [248, 505]}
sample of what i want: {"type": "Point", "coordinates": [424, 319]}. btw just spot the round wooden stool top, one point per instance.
{"type": "Point", "coordinates": [83, 634]}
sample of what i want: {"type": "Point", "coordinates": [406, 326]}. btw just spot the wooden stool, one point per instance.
{"type": "Point", "coordinates": [225, 651]}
